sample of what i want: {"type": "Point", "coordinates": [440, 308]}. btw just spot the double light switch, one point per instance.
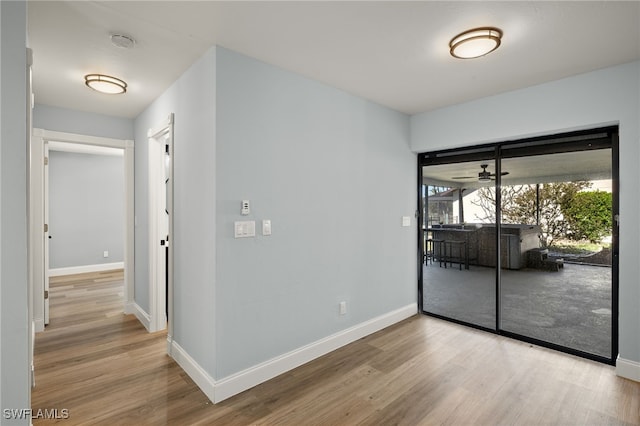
{"type": "Point", "coordinates": [245, 229]}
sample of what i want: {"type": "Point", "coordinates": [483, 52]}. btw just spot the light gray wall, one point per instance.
{"type": "Point", "coordinates": [86, 209]}
{"type": "Point", "coordinates": [14, 332]}
{"type": "Point", "coordinates": [83, 123]}
{"type": "Point", "coordinates": [192, 99]}
{"type": "Point", "coordinates": [607, 96]}
{"type": "Point", "coordinates": [335, 174]}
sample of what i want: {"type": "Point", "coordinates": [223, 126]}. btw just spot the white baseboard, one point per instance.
{"type": "Point", "coordinates": [628, 369]}
{"type": "Point", "coordinates": [135, 309]}
{"type": "Point", "coordinates": [169, 345]}
{"type": "Point", "coordinates": [38, 325]}
{"type": "Point", "coordinates": [255, 375]}
{"type": "Point", "coordinates": [71, 270]}
{"type": "Point", "coordinates": [220, 390]}
{"type": "Point", "coordinates": [204, 381]}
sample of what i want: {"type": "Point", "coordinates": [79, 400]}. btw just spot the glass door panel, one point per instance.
{"type": "Point", "coordinates": [556, 236]}
{"type": "Point", "coordinates": [459, 268]}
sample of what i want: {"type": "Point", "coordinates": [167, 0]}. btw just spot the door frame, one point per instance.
{"type": "Point", "coordinates": [37, 235]}
{"type": "Point", "coordinates": [581, 140]}
{"type": "Point", "coordinates": [160, 144]}
{"type": "Point", "coordinates": [47, 236]}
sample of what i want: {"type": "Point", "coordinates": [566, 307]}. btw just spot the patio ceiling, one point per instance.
{"type": "Point", "coordinates": [563, 167]}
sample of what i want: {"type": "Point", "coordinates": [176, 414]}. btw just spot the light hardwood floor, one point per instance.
{"type": "Point", "coordinates": [104, 368]}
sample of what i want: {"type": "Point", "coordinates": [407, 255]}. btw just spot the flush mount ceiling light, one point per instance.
{"type": "Point", "coordinates": [475, 43]}
{"type": "Point", "coordinates": [105, 84]}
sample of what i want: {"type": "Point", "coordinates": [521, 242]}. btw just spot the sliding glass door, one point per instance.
{"type": "Point", "coordinates": [556, 281]}
{"type": "Point", "coordinates": [452, 287]}
{"type": "Point", "coordinates": [519, 238]}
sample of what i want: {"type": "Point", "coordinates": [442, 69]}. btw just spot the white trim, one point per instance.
{"type": "Point", "coordinates": [135, 309]}
{"type": "Point", "coordinates": [130, 222]}
{"type": "Point", "coordinates": [50, 135]}
{"type": "Point", "coordinates": [255, 375]}
{"type": "Point", "coordinates": [628, 369]}
{"type": "Point", "coordinates": [46, 234]}
{"type": "Point", "coordinates": [36, 233]}
{"type": "Point", "coordinates": [162, 129]}
{"type": "Point", "coordinates": [39, 137]}
{"type": "Point", "coordinates": [170, 346]}
{"type": "Point", "coordinates": [71, 270]}
{"type": "Point", "coordinates": [204, 381]}
{"type": "Point", "coordinates": [218, 391]}
{"type": "Point", "coordinates": [85, 149]}
{"type": "Point", "coordinates": [38, 325]}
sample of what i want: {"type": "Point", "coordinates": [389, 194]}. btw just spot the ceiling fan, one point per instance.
{"type": "Point", "coordinates": [483, 176]}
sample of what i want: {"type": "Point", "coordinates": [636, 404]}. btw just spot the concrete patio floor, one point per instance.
{"type": "Point", "coordinates": [571, 307]}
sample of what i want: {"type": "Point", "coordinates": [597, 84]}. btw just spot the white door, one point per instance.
{"type": "Point", "coordinates": [46, 233]}
{"type": "Point", "coordinates": [160, 226]}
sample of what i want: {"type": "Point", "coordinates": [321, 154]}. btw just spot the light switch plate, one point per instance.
{"type": "Point", "coordinates": [266, 227]}
{"type": "Point", "coordinates": [406, 220]}
{"type": "Point", "coordinates": [244, 229]}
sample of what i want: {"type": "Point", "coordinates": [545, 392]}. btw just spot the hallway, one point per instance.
{"type": "Point", "coordinates": [103, 366]}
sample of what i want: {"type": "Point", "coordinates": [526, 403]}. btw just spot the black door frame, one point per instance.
{"type": "Point", "coordinates": [584, 140]}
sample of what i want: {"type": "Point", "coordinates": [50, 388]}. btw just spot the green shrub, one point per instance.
{"type": "Point", "coordinates": [589, 215]}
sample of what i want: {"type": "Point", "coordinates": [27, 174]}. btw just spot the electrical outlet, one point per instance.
{"type": "Point", "coordinates": [343, 308]}
{"type": "Point", "coordinates": [105, 253]}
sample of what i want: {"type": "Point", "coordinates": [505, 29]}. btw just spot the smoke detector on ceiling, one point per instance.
{"type": "Point", "coordinates": [122, 41]}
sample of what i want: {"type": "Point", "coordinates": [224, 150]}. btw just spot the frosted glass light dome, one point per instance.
{"type": "Point", "coordinates": [105, 84]}
{"type": "Point", "coordinates": [475, 43]}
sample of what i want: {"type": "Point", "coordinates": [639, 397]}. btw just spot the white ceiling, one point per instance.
{"type": "Point", "coordinates": [391, 52]}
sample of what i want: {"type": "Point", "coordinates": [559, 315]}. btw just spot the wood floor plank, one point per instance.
{"type": "Point", "coordinates": [104, 368]}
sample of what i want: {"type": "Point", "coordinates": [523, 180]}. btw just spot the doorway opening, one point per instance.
{"type": "Point", "coordinates": [521, 238]}
{"type": "Point", "coordinates": [39, 228]}
{"type": "Point", "coordinates": [85, 214]}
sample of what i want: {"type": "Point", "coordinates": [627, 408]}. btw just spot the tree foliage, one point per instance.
{"type": "Point", "coordinates": [519, 206]}
{"type": "Point", "coordinates": [589, 215]}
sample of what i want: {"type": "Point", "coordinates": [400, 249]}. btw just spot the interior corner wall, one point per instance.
{"type": "Point", "coordinates": [603, 97]}
{"type": "Point", "coordinates": [82, 123]}
{"type": "Point", "coordinates": [335, 175]}
{"type": "Point", "coordinates": [86, 209]}
{"type": "Point", "coordinates": [14, 315]}
{"type": "Point", "coordinates": [192, 100]}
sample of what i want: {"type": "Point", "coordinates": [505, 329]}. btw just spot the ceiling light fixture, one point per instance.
{"type": "Point", "coordinates": [475, 43]}
{"type": "Point", "coordinates": [105, 84]}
